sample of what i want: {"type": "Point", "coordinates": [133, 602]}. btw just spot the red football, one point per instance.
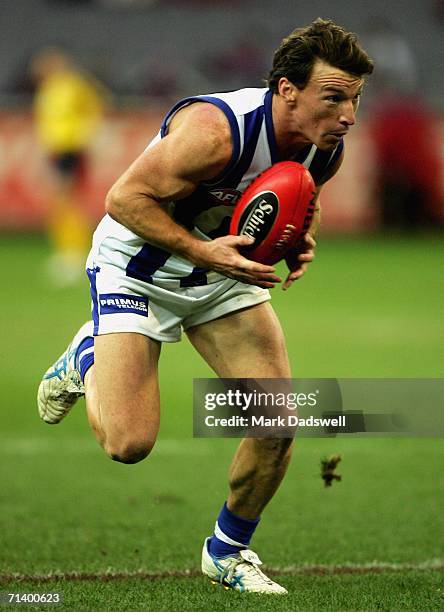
{"type": "Point", "coordinates": [276, 209]}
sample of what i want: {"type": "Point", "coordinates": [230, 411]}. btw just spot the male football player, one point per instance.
{"type": "Point", "coordinates": [161, 262]}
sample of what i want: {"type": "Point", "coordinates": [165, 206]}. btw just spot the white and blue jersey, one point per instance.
{"type": "Point", "coordinates": [208, 210]}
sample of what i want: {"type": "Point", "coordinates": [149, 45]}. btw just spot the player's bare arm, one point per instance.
{"type": "Point", "coordinates": [298, 259]}
{"type": "Point", "coordinates": [197, 148]}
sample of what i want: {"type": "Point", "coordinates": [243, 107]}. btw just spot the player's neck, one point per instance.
{"type": "Point", "coordinates": [289, 139]}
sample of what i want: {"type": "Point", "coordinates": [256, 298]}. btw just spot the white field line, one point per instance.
{"type": "Point", "coordinates": [375, 567]}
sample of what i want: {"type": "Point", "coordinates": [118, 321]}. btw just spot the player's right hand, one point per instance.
{"type": "Point", "coordinates": [222, 255]}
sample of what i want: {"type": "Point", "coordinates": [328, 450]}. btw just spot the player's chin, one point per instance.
{"type": "Point", "coordinates": [328, 142]}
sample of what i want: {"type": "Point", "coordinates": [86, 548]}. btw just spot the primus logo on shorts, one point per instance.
{"type": "Point", "coordinates": [112, 303]}
{"type": "Point", "coordinates": [259, 216]}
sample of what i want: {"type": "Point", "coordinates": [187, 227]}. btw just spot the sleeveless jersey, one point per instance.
{"type": "Point", "coordinates": [207, 211]}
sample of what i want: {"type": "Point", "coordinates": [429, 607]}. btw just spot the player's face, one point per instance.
{"type": "Point", "coordinates": [326, 107]}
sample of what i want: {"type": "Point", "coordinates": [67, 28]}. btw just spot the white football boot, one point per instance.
{"type": "Point", "coordinates": [240, 572]}
{"type": "Point", "coordinates": [61, 384]}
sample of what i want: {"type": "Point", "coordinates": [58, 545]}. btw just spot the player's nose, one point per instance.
{"type": "Point", "coordinates": [347, 116]}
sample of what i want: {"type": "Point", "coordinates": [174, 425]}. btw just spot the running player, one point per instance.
{"type": "Point", "coordinates": [161, 262]}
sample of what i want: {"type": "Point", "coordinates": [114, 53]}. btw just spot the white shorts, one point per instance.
{"type": "Point", "coordinates": [158, 309]}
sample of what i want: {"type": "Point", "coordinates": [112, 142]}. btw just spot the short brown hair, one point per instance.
{"type": "Point", "coordinates": [322, 40]}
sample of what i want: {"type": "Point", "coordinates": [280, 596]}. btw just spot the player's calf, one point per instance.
{"type": "Point", "coordinates": [256, 472]}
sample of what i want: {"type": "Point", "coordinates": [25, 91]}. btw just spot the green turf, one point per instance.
{"type": "Point", "coordinates": [369, 308]}
{"type": "Point", "coordinates": [406, 591]}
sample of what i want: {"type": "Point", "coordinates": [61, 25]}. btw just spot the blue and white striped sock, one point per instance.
{"type": "Point", "coordinates": [84, 357]}
{"type": "Point", "coordinates": [232, 533]}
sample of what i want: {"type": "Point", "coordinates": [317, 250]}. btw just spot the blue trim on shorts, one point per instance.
{"type": "Point", "coordinates": [92, 275]}
{"type": "Point", "coordinates": [150, 258]}
{"type": "Point", "coordinates": [197, 278]}
{"type": "Point", "coordinates": [144, 264]}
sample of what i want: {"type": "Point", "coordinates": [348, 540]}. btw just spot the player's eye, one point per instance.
{"type": "Point", "coordinates": [335, 99]}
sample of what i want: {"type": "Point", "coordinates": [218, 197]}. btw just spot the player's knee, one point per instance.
{"type": "Point", "coordinates": [130, 451]}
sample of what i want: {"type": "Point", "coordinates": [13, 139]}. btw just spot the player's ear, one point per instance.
{"type": "Point", "coordinates": [287, 90]}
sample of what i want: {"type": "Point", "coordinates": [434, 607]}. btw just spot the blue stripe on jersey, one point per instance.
{"type": "Point", "coordinates": [234, 133]}
{"type": "Point", "coordinates": [226, 109]}
{"type": "Point", "coordinates": [181, 104]}
{"type": "Point", "coordinates": [143, 265]}
{"type": "Point", "coordinates": [302, 155]}
{"type": "Point", "coordinates": [92, 273]}
{"type": "Point", "coordinates": [268, 106]}
{"type": "Point", "coordinates": [334, 158]}
{"type": "Point", "coordinates": [323, 161]}
{"type": "Point", "coordinates": [252, 128]}
{"type": "Point", "coordinates": [187, 209]}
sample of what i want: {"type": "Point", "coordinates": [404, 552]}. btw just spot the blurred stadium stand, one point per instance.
{"type": "Point", "coordinates": [151, 52]}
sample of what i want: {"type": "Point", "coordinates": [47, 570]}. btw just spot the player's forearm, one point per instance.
{"type": "Point", "coordinates": [147, 218]}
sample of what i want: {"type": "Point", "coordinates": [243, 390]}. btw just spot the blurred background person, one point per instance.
{"type": "Point", "coordinates": [68, 108]}
{"type": "Point", "coordinates": [408, 164]}
{"type": "Point", "coordinates": [403, 131]}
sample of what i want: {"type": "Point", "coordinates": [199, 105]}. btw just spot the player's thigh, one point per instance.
{"type": "Point", "coordinates": [244, 344]}
{"type": "Point", "coordinates": [126, 373]}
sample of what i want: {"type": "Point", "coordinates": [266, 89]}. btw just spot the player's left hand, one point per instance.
{"type": "Point", "coordinates": [298, 259]}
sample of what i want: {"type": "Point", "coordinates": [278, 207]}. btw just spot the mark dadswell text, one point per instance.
{"type": "Point", "coordinates": [279, 421]}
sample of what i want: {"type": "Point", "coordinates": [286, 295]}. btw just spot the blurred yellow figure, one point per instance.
{"type": "Point", "coordinates": [68, 108]}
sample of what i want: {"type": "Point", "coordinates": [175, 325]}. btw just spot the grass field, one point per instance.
{"type": "Point", "coordinates": [113, 537]}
